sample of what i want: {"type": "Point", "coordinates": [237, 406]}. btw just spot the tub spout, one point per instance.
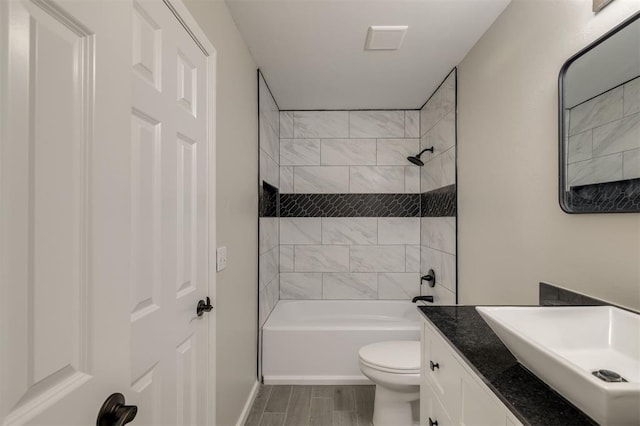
{"type": "Point", "coordinates": [425, 298]}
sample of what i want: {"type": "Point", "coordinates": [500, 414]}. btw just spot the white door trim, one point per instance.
{"type": "Point", "coordinates": [183, 15]}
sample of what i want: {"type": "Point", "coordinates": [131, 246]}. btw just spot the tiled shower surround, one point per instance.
{"type": "Point", "coordinates": [438, 187]}
{"type": "Point", "coordinates": [269, 246]}
{"type": "Point", "coordinates": [351, 223]}
{"type": "Point", "coordinates": [329, 160]}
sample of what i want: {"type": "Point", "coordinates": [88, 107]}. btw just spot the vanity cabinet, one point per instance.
{"type": "Point", "coordinates": [451, 393]}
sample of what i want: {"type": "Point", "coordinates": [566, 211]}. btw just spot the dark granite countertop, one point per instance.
{"type": "Point", "coordinates": [528, 398]}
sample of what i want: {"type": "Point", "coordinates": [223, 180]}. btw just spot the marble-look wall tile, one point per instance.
{"type": "Point", "coordinates": [376, 179]}
{"type": "Point", "coordinates": [447, 275]}
{"type": "Point", "coordinates": [631, 164]}
{"type": "Point", "coordinates": [580, 147]}
{"type": "Point", "coordinates": [448, 97]}
{"type": "Point", "coordinates": [412, 258]}
{"type": "Point", "coordinates": [597, 111]}
{"type": "Point", "coordinates": [269, 113]}
{"type": "Point", "coordinates": [403, 286]}
{"type": "Point", "coordinates": [269, 266]}
{"type": "Point", "coordinates": [321, 180]}
{"type": "Point", "coordinates": [411, 124]}
{"type": "Point", "coordinates": [597, 170]}
{"type": "Point", "coordinates": [449, 167]}
{"type": "Point", "coordinates": [286, 258]}
{"type": "Point", "coordinates": [321, 124]}
{"type": "Point", "coordinates": [269, 169]}
{"type": "Point", "coordinates": [269, 234]}
{"type": "Point", "coordinates": [300, 286]}
{"type": "Point", "coordinates": [618, 136]}
{"type": "Point", "coordinates": [376, 124]}
{"type": "Point", "coordinates": [394, 152]}
{"type": "Point", "coordinates": [321, 258]}
{"type": "Point", "coordinates": [377, 259]}
{"type": "Point", "coordinates": [268, 297]}
{"type": "Point", "coordinates": [286, 180]}
{"type": "Point", "coordinates": [632, 97]}
{"type": "Point", "coordinates": [411, 179]}
{"type": "Point", "coordinates": [349, 231]}
{"type": "Point", "coordinates": [348, 152]}
{"type": "Point", "coordinates": [300, 230]}
{"type": "Point", "coordinates": [428, 113]}
{"type": "Point", "coordinates": [431, 259]}
{"type": "Point", "coordinates": [269, 141]}
{"type": "Point", "coordinates": [441, 233]}
{"type": "Point", "coordinates": [399, 230]}
{"type": "Point", "coordinates": [431, 175]}
{"type": "Point", "coordinates": [443, 296]}
{"type": "Point", "coordinates": [299, 152]}
{"type": "Point", "coordinates": [286, 124]}
{"type": "Point", "coordinates": [443, 135]}
{"type": "Point", "coordinates": [349, 286]}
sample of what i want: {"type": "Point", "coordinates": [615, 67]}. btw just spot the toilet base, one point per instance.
{"type": "Point", "coordinates": [393, 408]}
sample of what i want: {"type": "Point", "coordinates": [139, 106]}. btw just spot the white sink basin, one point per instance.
{"type": "Point", "coordinates": [564, 345]}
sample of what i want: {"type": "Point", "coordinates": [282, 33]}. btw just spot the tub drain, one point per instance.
{"type": "Point", "coordinates": [608, 376]}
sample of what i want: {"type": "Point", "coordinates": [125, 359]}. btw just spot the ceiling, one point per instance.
{"type": "Point", "coordinates": [312, 55]}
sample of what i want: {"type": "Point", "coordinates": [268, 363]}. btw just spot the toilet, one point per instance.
{"type": "Point", "coordinates": [394, 367]}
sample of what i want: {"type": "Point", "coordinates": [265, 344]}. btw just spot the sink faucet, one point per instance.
{"type": "Point", "coordinates": [425, 298]}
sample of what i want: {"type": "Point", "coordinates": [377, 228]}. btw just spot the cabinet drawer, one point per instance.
{"type": "Point", "coordinates": [442, 370]}
{"type": "Point", "coordinates": [435, 414]}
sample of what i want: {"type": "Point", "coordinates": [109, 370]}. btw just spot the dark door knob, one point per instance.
{"type": "Point", "coordinates": [114, 413]}
{"type": "Point", "coordinates": [204, 307]}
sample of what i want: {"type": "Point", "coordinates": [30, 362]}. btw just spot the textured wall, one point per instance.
{"type": "Point", "coordinates": [512, 232]}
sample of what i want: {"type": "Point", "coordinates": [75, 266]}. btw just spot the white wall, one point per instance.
{"type": "Point", "coordinates": [237, 198]}
{"type": "Point", "coordinates": [512, 232]}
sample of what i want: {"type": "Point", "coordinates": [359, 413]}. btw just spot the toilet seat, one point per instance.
{"type": "Point", "coordinates": [397, 357]}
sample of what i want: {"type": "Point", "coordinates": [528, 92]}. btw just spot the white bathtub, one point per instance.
{"type": "Point", "coordinates": [317, 342]}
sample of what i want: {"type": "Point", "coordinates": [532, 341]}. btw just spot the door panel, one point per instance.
{"type": "Point", "coordinates": [170, 117]}
{"type": "Point", "coordinates": [103, 212]}
{"type": "Point", "coordinates": [52, 364]}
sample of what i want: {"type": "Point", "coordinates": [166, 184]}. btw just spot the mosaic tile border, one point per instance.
{"type": "Point", "coordinates": [610, 197]}
{"type": "Point", "coordinates": [440, 202]}
{"type": "Point", "coordinates": [349, 205]}
{"type": "Point", "coordinates": [269, 200]}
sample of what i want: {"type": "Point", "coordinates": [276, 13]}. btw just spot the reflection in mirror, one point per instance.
{"type": "Point", "coordinates": [600, 124]}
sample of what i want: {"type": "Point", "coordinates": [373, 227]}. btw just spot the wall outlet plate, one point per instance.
{"type": "Point", "coordinates": [221, 258]}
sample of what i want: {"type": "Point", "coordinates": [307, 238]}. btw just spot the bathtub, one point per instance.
{"type": "Point", "coordinates": [317, 342]}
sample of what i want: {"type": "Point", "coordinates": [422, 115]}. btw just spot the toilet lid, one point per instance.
{"type": "Point", "coordinates": [401, 355]}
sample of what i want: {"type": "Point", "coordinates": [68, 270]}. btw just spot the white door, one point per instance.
{"type": "Point", "coordinates": [170, 182]}
{"type": "Point", "coordinates": [99, 217]}
{"type": "Point", "coordinates": [64, 157]}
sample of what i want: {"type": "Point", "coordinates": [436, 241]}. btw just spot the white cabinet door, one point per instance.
{"type": "Point", "coordinates": [64, 209]}
{"type": "Point", "coordinates": [170, 185]}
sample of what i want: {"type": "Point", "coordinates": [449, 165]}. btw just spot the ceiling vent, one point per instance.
{"type": "Point", "coordinates": [385, 37]}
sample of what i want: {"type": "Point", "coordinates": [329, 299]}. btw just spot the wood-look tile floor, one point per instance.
{"type": "Point", "coordinates": [312, 406]}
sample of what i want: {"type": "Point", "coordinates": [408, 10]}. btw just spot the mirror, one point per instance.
{"type": "Point", "coordinates": [599, 121]}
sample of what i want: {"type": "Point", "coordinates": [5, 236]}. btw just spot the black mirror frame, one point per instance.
{"type": "Point", "coordinates": [562, 194]}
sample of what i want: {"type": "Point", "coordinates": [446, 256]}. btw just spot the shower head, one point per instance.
{"type": "Point", "coordinates": [415, 159]}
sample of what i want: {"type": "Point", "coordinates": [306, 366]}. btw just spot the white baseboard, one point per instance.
{"type": "Point", "coordinates": [317, 380]}
{"type": "Point", "coordinates": [247, 405]}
